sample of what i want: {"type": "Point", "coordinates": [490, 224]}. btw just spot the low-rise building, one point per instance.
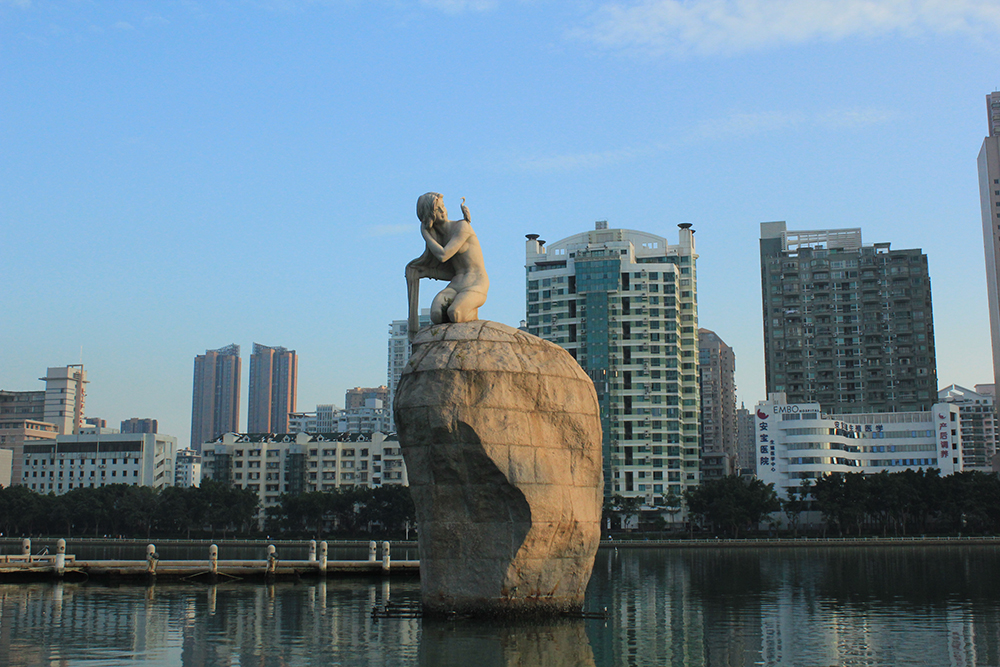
{"type": "Point", "coordinates": [274, 464]}
{"type": "Point", "coordinates": [15, 433]}
{"type": "Point", "coordinates": [798, 442]}
{"type": "Point", "coordinates": [97, 459]}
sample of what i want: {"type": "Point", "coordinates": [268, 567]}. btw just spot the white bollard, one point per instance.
{"type": "Point", "coordinates": [372, 550]}
{"type": "Point", "coordinates": [151, 558]}
{"type": "Point", "coordinates": [312, 551]}
{"type": "Point", "coordinates": [385, 556]}
{"type": "Point", "coordinates": [61, 556]}
{"type": "Point", "coordinates": [213, 559]}
{"type": "Point", "coordinates": [272, 559]}
{"type": "Point", "coordinates": [323, 552]}
{"type": "Point", "coordinates": [26, 547]}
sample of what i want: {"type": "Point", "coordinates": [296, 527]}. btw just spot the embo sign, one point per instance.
{"type": "Point", "coordinates": [786, 409]}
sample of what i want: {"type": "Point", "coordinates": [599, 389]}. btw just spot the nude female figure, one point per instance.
{"type": "Point", "coordinates": [452, 253]}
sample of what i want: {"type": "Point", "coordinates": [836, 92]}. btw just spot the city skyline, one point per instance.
{"type": "Point", "coordinates": [162, 143]}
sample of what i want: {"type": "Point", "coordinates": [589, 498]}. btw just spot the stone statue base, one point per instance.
{"type": "Point", "coordinates": [501, 435]}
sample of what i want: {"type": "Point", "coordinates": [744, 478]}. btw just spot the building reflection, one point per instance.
{"type": "Point", "coordinates": [691, 608]}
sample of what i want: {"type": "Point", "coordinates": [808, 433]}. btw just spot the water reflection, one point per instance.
{"type": "Point", "coordinates": [878, 606]}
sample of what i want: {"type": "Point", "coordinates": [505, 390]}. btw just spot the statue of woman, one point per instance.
{"type": "Point", "coordinates": [452, 253]}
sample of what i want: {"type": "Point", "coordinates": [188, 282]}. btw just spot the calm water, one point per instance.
{"type": "Point", "coordinates": [810, 607]}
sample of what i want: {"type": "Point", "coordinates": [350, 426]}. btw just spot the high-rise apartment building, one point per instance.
{"type": "Point", "coordinates": [399, 353]}
{"type": "Point", "coordinates": [624, 304]}
{"type": "Point", "coordinates": [273, 382]}
{"type": "Point", "coordinates": [978, 424]}
{"type": "Point", "coordinates": [846, 325]}
{"type": "Point", "coordinates": [989, 201]}
{"type": "Point", "coordinates": [215, 406]}
{"type": "Point", "coordinates": [717, 373]}
{"type": "Point", "coordinates": [746, 440]}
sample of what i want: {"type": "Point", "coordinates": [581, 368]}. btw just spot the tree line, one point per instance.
{"type": "Point", "coordinates": [905, 503]}
{"type": "Point", "coordinates": [212, 510]}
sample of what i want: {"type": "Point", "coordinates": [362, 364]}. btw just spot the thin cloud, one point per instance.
{"type": "Point", "coordinates": [574, 161]}
{"type": "Point", "coordinates": [732, 127]}
{"type": "Point", "coordinates": [683, 27]}
{"type": "Point", "coordinates": [16, 3]}
{"type": "Point", "coordinates": [124, 25]}
{"type": "Point", "coordinates": [743, 125]}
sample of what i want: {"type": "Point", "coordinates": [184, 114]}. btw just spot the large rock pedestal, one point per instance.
{"type": "Point", "coordinates": [502, 439]}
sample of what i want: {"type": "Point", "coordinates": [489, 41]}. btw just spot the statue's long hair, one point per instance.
{"type": "Point", "coordinates": [425, 204]}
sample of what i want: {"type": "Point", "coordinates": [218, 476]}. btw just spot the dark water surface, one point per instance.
{"type": "Point", "coordinates": [813, 607]}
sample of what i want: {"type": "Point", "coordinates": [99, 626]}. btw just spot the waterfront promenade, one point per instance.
{"type": "Point", "coordinates": [81, 559]}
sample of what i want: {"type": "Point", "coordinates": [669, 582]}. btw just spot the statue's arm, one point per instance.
{"type": "Point", "coordinates": [455, 243]}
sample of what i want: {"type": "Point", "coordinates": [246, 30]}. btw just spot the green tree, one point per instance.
{"type": "Point", "coordinates": [732, 503]}
{"type": "Point", "coordinates": [796, 503]}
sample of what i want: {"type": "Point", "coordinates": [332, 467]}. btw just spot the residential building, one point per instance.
{"type": "Point", "coordinates": [978, 424]}
{"type": "Point", "coordinates": [746, 440]}
{"type": "Point", "coordinates": [798, 442]}
{"type": "Point", "coordinates": [215, 406]}
{"type": "Point", "coordinates": [371, 417]}
{"type": "Point", "coordinates": [15, 433]}
{"type": "Point", "coordinates": [327, 418]}
{"type": "Point", "coordinates": [989, 201]}
{"type": "Point", "coordinates": [274, 464]}
{"type": "Point", "coordinates": [302, 422]}
{"type": "Point", "coordinates": [359, 396]}
{"type": "Point", "coordinates": [273, 383]}
{"type": "Point", "coordinates": [399, 353]}
{"type": "Point", "coordinates": [137, 425]}
{"type": "Point", "coordinates": [93, 460]}
{"type": "Point", "coordinates": [846, 325]}
{"type": "Point", "coordinates": [717, 385]}
{"type": "Point", "coordinates": [187, 468]}
{"type": "Point", "coordinates": [624, 304]}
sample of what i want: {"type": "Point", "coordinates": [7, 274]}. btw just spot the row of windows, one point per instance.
{"type": "Point", "coordinates": [57, 486]}
{"type": "Point", "coordinates": [32, 461]}
{"type": "Point", "coordinates": [52, 473]}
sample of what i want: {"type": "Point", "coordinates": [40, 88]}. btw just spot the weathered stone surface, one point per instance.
{"type": "Point", "coordinates": [502, 439]}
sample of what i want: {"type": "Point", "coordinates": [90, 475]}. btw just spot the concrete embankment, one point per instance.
{"type": "Point", "coordinates": [799, 542]}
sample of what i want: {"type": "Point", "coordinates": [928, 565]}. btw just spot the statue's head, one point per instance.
{"type": "Point", "coordinates": [426, 204]}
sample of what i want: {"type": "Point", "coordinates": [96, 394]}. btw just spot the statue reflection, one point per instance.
{"type": "Point", "coordinates": [560, 642]}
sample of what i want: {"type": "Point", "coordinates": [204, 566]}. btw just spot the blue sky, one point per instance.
{"type": "Point", "coordinates": [181, 175]}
